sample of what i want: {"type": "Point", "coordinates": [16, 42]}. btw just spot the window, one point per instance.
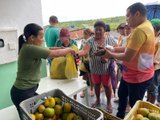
{"type": "Point", "coordinates": [1, 43]}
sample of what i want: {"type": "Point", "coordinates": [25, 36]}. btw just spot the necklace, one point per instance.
{"type": "Point", "coordinates": [100, 43]}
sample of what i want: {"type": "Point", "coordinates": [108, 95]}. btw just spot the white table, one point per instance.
{"type": "Point", "coordinates": [69, 87]}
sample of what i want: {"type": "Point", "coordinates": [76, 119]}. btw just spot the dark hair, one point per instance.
{"type": "Point", "coordinates": [157, 28]}
{"type": "Point", "coordinates": [101, 24]}
{"type": "Point", "coordinates": [53, 19]}
{"type": "Point", "coordinates": [108, 28]}
{"type": "Point", "coordinates": [121, 26]}
{"type": "Point", "coordinates": [30, 29]}
{"type": "Point", "coordinates": [137, 7]}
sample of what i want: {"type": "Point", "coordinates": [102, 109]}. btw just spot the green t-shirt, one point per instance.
{"type": "Point", "coordinates": [29, 66]}
{"type": "Point", "coordinates": [51, 36]}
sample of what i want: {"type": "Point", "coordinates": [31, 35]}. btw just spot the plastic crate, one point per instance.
{"type": "Point", "coordinates": [108, 116]}
{"type": "Point", "coordinates": [140, 104]}
{"type": "Point", "coordinates": [30, 106]}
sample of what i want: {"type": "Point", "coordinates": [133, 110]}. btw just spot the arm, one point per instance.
{"type": "Point", "coordinates": [119, 49]}
{"type": "Point", "coordinates": [84, 51]}
{"type": "Point", "coordinates": [127, 55]}
{"type": "Point", "coordinates": [60, 52]}
{"type": "Point", "coordinates": [134, 44]}
{"type": "Point", "coordinates": [157, 57]}
{"type": "Point", "coordinates": [55, 48]}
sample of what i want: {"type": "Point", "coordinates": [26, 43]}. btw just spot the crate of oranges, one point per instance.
{"type": "Point", "coordinates": [55, 105]}
{"type": "Point", "coordinates": [143, 110]}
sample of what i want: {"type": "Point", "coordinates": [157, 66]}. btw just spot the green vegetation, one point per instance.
{"type": "Point", "coordinates": [112, 21]}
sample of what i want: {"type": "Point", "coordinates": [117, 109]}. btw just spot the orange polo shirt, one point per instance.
{"type": "Point", "coordinates": [142, 40]}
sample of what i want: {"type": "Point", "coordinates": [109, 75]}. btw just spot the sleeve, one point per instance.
{"type": "Point", "coordinates": [59, 43]}
{"type": "Point", "coordinates": [81, 46]}
{"type": "Point", "coordinates": [38, 52]}
{"type": "Point", "coordinates": [137, 40]}
{"type": "Point", "coordinates": [89, 41]}
{"type": "Point", "coordinates": [111, 41]}
{"type": "Point", "coordinates": [57, 35]}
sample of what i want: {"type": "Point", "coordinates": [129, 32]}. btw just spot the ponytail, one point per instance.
{"type": "Point", "coordinates": [21, 41]}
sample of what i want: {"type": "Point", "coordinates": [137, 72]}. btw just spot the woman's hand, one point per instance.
{"type": "Point", "coordinates": [100, 51]}
{"type": "Point", "coordinates": [104, 53]}
{"type": "Point", "coordinates": [80, 53]}
{"type": "Point", "coordinates": [108, 54]}
{"type": "Point", "coordinates": [70, 50]}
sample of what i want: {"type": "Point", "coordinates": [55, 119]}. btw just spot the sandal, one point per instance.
{"type": "Point", "coordinates": [109, 108]}
{"type": "Point", "coordinates": [96, 104]}
{"type": "Point", "coordinates": [82, 94]}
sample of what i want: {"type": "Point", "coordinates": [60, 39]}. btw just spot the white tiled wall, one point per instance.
{"type": "Point", "coordinates": [9, 52]}
{"type": "Point", "coordinates": [15, 15]}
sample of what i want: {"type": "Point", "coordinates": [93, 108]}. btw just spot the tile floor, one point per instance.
{"type": "Point", "coordinates": [103, 101]}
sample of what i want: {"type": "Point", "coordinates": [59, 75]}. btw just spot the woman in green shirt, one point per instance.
{"type": "Point", "coordinates": [29, 63]}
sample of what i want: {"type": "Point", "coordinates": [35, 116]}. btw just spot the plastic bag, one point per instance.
{"type": "Point", "coordinates": [70, 70]}
{"type": "Point", "coordinates": [82, 67]}
{"type": "Point", "coordinates": [57, 70]}
{"type": "Point", "coordinates": [64, 67]}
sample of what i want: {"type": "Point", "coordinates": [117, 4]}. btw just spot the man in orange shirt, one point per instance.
{"type": "Point", "coordinates": [137, 58]}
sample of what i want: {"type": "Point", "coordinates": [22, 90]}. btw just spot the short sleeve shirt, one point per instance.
{"type": "Point", "coordinates": [96, 66]}
{"type": "Point", "coordinates": [142, 40]}
{"type": "Point", "coordinates": [29, 66]}
{"type": "Point", "coordinates": [51, 36]}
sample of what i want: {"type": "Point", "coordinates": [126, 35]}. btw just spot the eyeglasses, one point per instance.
{"type": "Point", "coordinates": [121, 27]}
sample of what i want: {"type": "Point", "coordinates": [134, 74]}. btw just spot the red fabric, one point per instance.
{"type": "Point", "coordinates": [132, 76]}
{"type": "Point", "coordinates": [104, 79]}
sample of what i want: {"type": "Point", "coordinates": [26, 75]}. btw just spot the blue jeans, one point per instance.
{"type": "Point", "coordinates": [158, 98]}
{"type": "Point", "coordinates": [153, 88]}
{"type": "Point", "coordinates": [133, 91]}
